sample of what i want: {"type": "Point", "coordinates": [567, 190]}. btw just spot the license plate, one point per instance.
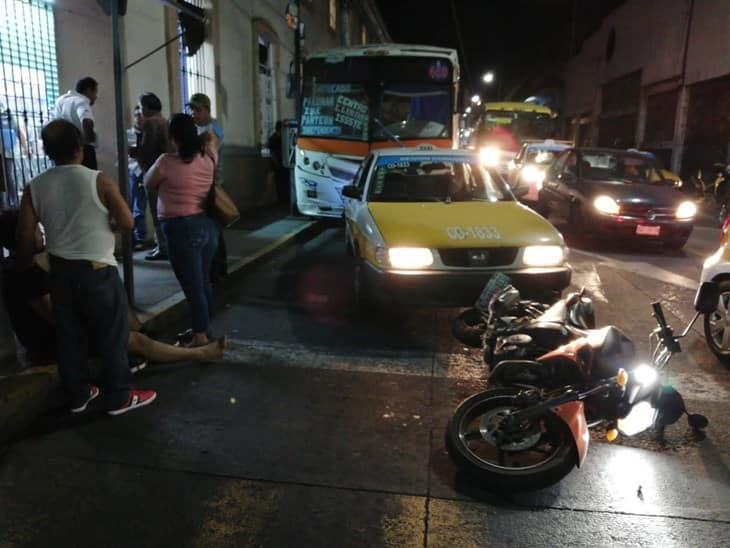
{"type": "Point", "coordinates": [644, 230]}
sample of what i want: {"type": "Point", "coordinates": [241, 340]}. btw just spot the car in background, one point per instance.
{"type": "Point", "coordinates": [716, 268]}
{"type": "Point", "coordinates": [431, 227]}
{"type": "Point", "coordinates": [527, 170]}
{"type": "Point", "coordinates": [615, 194]}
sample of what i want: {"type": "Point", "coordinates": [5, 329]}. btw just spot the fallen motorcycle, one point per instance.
{"type": "Point", "coordinates": [528, 436]}
{"type": "Point", "coordinates": [507, 327]}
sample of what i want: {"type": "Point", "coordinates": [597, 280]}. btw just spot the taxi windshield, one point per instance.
{"type": "Point", "coordinates": [628, 168]}
{"type": "Point", "coordinates": [541, 156]}
{"type": "Point", "coordinates": [435, 179]}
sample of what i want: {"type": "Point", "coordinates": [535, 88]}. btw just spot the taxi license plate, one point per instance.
{"type": "Point", "coordinates": [644, 230]}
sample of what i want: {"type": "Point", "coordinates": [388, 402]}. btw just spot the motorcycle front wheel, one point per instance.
{"type": "Point", "coordinates": [542, 454]}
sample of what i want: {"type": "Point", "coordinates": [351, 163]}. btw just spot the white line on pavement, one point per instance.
{"type": "Point", "coordinates": [644, 269]}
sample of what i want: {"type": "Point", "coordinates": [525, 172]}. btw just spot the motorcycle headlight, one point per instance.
{"type": "Point", "coordinates": [641, 417]}
{"type": "Point", "coordinates": [533, 175]}
{"type": "Point", "coordinates": [606, 205]}
{"type": "Point", "coordinates": [543, 255]}
{"type": "Point", "coordinates": [490, 156]}
{"type": "Point", "coordinates": [686, 210]}
{"type": "Point", "coordinates": [645, 375]}
{"type": "Point", "coordinates": [410, 257]}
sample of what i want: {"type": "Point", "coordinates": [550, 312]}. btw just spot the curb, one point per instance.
{"type": "Point", "coordinates": [28, 394]}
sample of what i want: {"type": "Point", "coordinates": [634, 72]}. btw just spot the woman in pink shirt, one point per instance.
{"type": "Point", "coordinates": [183, 180]}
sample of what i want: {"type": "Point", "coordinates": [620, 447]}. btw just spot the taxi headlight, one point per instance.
{"type": "Point", "coordinates": [543, 255]}
{"type": "Point", "coordinates": [490, 156]}
{"type": "Point", "coordinates": [686, 210]}
{"type": "Point", "coordinates": [410, 257]}
{"type": "Point", "coordinates": [532, 175]}
{"type": "Point", "coordinates": [606, 205]}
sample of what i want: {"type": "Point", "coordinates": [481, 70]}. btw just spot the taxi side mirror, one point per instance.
{"type": "Point", "coordinates": [351, 191]}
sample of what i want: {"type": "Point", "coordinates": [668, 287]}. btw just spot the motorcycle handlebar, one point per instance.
{"type": "Point", "coordinates": [659, 315]}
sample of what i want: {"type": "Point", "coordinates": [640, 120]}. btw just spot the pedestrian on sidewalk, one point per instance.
{"type": "Point", "coordinates": [154, 142]}
{"type": "Point", "coordinates": [281, 174]}
{"type": "Point", "coordinates": [12, 141]}
{"type": "Point", "coordinates": [75, 106]}
{"type": "Point", "coordinates": [80, 209]}
{"type": "Point", "coordinates": [199, 106]}
{"type": "Point", "coordinates": [183, 180]}
{"type": "Point", "coordinates": [137, 193]}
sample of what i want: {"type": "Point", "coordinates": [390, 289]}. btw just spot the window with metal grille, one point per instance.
{"type": "Point", "coordinates": [197, 72]}
{"type": "Point", "coordinates": [28, 91]}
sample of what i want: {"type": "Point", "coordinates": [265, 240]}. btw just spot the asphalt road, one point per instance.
{"type": "Point", "coordinates": [320, 428]}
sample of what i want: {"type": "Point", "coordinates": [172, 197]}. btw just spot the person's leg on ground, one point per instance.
{"type": "Point", "coordinates": [159, 352]}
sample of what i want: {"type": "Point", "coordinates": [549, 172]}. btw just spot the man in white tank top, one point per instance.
{"type": "Point", "coordinates": [79, 209]}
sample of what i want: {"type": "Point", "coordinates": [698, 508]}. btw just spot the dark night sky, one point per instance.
{"type": "Point", "coordinates": [524, 41]}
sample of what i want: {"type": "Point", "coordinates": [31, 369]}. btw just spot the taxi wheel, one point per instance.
{"type": "Point", "coordinates": [577, 222]}
{"type": "Point", "coordinates": [364, 298]}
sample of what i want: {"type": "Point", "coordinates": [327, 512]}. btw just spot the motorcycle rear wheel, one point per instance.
{"type": "Point", "coordinates": [545, 456]}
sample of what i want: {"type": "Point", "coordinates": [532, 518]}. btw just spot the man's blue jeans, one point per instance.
{"type": "Point", "coordinates": [90, 309]}
{"type": "Point", "coordinates": [191, 243]}
{"type": "Point", "coordinates": [138, 203]}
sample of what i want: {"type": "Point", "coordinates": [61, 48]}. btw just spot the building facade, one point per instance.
{"type": "Point", "coordinates": [243, 65]}
{"type": "Point", "coordinates": [655, 76]}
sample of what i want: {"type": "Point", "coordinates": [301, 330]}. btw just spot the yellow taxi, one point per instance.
{"type": "Point", "coordinates": [432, 226]}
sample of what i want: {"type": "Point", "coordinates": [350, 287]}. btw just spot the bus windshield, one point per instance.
{"type": "Point", "coordinates": [378, 98]}
{"type": "Point", "coordinates": [519, 125]}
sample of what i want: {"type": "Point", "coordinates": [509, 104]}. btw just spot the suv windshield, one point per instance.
{"type": "Point", "coordinates": [435, 179]}
{"type": "Point", "coordinates": [629, 168]}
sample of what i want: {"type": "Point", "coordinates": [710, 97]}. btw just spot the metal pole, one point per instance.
{"type": "Point", "coordinates": [122, 148]}
{"type": "Point", "coordinates": [297, 103]}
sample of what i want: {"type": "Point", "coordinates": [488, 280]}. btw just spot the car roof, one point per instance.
{"type": "Point", "coordinates": [548, 146]}
{"type": "Point", "coordinates": [604, 150]}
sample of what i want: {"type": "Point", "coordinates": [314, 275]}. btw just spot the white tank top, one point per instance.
{"type": "Point", "coordinates": [75, 221]}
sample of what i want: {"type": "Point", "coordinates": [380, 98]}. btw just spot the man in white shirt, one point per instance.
{"type": "Point", "coordinates": [79, 209]}
{"type": "Point", "coordinates": [75, 106]}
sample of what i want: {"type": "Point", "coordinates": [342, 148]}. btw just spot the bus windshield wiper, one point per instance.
{"type": "Point", "coordinates": [388, 133]}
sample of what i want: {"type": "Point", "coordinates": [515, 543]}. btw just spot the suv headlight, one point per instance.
{"type": "Point", "coordinates": [409, 258]}
{"type": "Point", "coordinates": [543, 255]}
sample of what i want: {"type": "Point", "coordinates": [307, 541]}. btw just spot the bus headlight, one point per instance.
{"type": "Point", "coordinates": [409, 258]}
{"type": "Point", "coordinates": [490, 156]}
{"type": "Point", "coordinates": [543, 255]}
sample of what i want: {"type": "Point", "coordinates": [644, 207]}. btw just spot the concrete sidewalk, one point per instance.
{"type": "Point", "coordinates": [26, 392]}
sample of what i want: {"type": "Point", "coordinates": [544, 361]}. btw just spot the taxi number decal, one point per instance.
{"type": "Point", "coordinates": [475, 232]}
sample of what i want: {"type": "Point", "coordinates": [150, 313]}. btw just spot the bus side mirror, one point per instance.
{"type": "Point", "coordinates": [351, 191]}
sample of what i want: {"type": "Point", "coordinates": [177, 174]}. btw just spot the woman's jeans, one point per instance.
{"type": "Point", "coordinates": [191, 243]}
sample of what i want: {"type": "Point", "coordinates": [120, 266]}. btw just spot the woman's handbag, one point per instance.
{"type": "Point", "coordinates": [220, 206]}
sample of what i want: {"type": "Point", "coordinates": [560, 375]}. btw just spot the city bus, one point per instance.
{"type": "Point", "coordinates": [502, 128]}
{"type": "Point", "coordinates": [369, 97]}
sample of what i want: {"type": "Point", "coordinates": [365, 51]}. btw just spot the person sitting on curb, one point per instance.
{"type": "Point", "coordinates": [80, 209]}
{"type": "Point", "coordinates": [27, 299]}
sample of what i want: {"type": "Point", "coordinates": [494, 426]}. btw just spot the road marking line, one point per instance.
{"type": "Point", "coordinates": [694, 385]}
{"type": "Point", "coordinates": [643, 269]}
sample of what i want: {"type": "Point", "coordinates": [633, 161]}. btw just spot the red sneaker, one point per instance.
{"type": "Point", "coordinates": [93, 394]}
{"type": "Point", "coordinates": [137, 398]}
